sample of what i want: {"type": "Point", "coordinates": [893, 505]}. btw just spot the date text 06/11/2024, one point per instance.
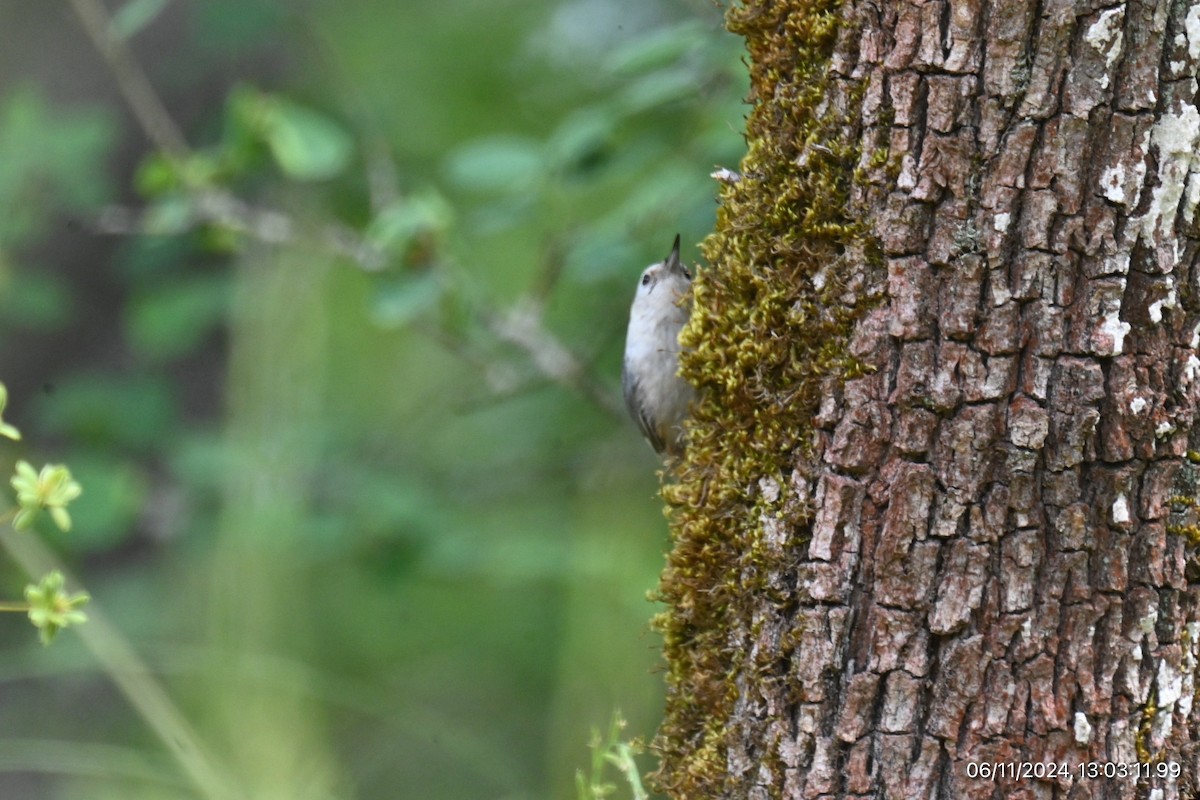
{"type": "Point", "coordinates": [1086, 770]}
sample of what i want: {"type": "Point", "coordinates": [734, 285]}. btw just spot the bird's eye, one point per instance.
{"type": "Point", "coordinates": [646, 279]}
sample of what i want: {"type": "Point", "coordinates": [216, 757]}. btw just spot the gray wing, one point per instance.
{"type": "Point", "coordinates": [629, 386]}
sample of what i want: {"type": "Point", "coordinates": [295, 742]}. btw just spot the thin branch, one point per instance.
{"type": "Point", "coordinates": [266, 225]}
{"type": "Point", "coordinates": [553, 263]}
{"type": "Point", "coordinates": [383, 183]}
{"type": "Point", "coordinates": [520, 326]}
{"type": "Point", "coordinates": [145, 103]}
{"type": "Point", "coordinates": [211, 205]}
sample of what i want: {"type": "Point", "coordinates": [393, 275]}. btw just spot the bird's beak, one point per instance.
{"type": "Point", "coordinates": [673, 263]}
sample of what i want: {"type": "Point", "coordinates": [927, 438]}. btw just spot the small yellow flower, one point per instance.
{"type": "Point", "coordinates": [53, 488]}
{"type": "Point", "coordinates": [51, 609]}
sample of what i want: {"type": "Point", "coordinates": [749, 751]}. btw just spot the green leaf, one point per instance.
{"type": "Point", "coordinates": [668, 188]}
{"type": "Point", "coordinates": [659, 89]}
{"type": "Point", "coordinates": [308, 146]}
{"type": "Point", "coordinates": [658, 49]}
{"type": "Point", "coordinates": [155, 175]}
{"type": "Point", "coordinates": [51, 161]}
{"type": "Point", "coordinates": [396, 226]}
{"type": "Point", "coordinates": [580, 141]}
{"type": "Point", "coordinates": [399, 302]}
{"type": "Point", "coordinates": [599, 254]}
{"type": "Point", "coordinates": [135, 15]}
{"type": "Point", "coordinates": [170, 215]}
{"type": "Point", "coordinates": [508, 164]}
{"type": "Point", "coordinates": [159, 175]}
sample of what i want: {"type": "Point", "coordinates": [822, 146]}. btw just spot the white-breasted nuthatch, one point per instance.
{"type": "Point", "coordinates": [657, 398]}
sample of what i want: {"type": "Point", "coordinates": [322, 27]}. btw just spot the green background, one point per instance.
{"type": "Point", "coordinates": [370, 548]}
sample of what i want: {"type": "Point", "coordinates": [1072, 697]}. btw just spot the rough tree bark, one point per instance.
{"type": "Point", "coordinates": [938, 516]}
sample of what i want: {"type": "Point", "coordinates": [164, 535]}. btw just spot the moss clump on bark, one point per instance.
{"type": "Point", "coordinates": [771, 320]}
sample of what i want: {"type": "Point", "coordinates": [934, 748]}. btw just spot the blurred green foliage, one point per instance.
{"type": "Point", "coordinates": [367, 541]}
{"type": "Point", "coordinates": [51, 160]}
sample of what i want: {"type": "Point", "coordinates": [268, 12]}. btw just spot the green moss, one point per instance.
{"type": "Point", "coordinates": [1183, 506]}
{"type": "Point", "coordinates": [770, 324]}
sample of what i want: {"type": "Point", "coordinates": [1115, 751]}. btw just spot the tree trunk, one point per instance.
{"type": "Point", "coordinates": [935, 530]}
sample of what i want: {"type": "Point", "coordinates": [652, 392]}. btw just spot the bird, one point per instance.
{"type": "Point", "coordinates": [658, 399]}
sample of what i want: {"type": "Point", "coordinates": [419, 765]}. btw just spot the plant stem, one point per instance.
{"type": "Point", "coordinates": [131, 675]}
{"type": "Point", "coordinates": [145, 103]}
